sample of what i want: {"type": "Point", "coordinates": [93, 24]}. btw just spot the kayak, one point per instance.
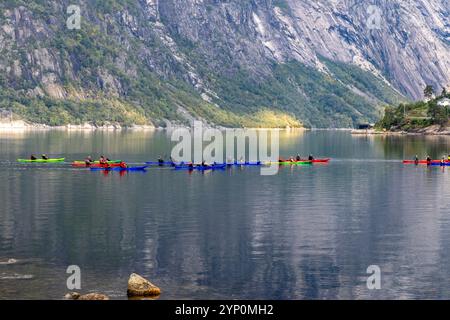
{"type": "Point", "coordinates": [41, 160]}
{"type": "Point", "coordinates": [162, 164]}
{"type": "Point", "coordinates": [244, 164]}
{"type": "Point", "coordinates": [202, 168]}
{"type": "Point", "coordinates": [214, 167]}
{"type": "Point", "coordinates": [94, 165]}
{"type": "Point", "coordinates": [294, 163]}
{"type": "Point", "coordinates": [121, 169]}
{"type": "Point", "coordinates": [325, 160]}
{"type": "Point", "coordinates": [446, 164]}
{"type": "Point", "coordinates": [320, 160]}
{"type": "Point", "coordinates": [82, 162]}
{"type": "Point", "coordinates": [422, 161]}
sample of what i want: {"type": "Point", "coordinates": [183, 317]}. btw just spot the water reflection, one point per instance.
{"type": "Point", "coordinates": [306, 233]}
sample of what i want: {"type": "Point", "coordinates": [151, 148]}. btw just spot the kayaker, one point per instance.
{"type": "Point", "coordinates": [88, 161]}
{"type": "Point", "coordinates": [44, 157]}
{"type": "Point", "coordinates": [416, 159]}
{"type": "Point", "coordinates": [160, 161]}
{"type": "Point", "coordinates": [298, 157]}
{"type": "Point", "coordinates": [428, 160]}
{"type": "Point", "coordinates": [204, 164]}
{"type": "Point", "coordinates": [448, 158]}
{"type": "Point", "coordinates": [311, 158]}
{"type": "Point", "coordinates": [104, 162]}
{"type": "Point", "coordinates": [33, 157]}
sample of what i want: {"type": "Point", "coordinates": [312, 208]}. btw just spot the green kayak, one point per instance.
{"type": "Point", "coordinates": [296, 163]}
{"type": "Point", "coordinates": [292, 163]}
{"type": "Point", "coordinates": [41, 160]}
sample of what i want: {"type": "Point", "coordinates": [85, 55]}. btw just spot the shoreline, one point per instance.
{"type": "Point", "coordinates": [430, 131]}
{"type": "Point", "coordinates": [20, 126]}
{"type": "Point", "coordinates": [23, 126]}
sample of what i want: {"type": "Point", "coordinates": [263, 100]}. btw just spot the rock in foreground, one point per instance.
{"type": "Point", "coordinates": [140, 287]}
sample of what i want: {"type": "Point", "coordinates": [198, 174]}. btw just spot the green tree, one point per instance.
{"type": "Point", "coordinates": [429, 91]}
{"type": "Point", "coordinates": [438, 113]}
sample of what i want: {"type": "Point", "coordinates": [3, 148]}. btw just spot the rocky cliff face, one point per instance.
{"type": "Point", "coordinates": [325, 62]}
{"type": "Point", "coordinates": [407, 42]}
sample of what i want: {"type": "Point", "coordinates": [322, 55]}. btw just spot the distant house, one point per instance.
{"type": "Point", "coordinates": [444, 102]}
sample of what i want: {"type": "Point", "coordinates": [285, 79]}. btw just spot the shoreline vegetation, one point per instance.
{"type": "Point", "coordinates": [263, 119]}
{"type": "Point", "coordinates": [428, 117]}
{"type": "Point", "coordinates": [21, 125]}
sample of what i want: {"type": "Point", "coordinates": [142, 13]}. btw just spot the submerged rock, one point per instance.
{"type": "Point", "coordinates": [93, 296]}
{"type": "Point", "coordinates": [140, 287]}
{"type": "Point", "coordinates": [89, 296]}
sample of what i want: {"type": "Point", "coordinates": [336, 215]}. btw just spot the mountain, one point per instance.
{"type": "Point", "coordinates": [231, 62]}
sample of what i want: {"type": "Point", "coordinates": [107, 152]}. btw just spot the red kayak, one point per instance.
{"type": "Point", "coordinates": [94, 165]}
{"type": "Point", "coordinates": [422, 161]}
{"type": "Point", "coordinates": [321, 160]}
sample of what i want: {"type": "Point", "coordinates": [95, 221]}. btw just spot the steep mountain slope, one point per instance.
{"type": "Point", "coordinates": [234, 63]}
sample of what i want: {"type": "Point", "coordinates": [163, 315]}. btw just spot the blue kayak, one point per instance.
{"type": "Point", "coordinates": [446, 164]}
{"type": "Point", "coordinates": [201, 168]}
{"type": "Point", "coordinates": [245, 164]}
{"type": "Point", "coordinates": [120, 169]}
{"type": "Point", "coordinates": [162, 164]}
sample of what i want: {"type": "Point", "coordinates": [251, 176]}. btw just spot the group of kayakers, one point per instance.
{"type": "Point", "coordinates": [298, 158]}
{"type": "Point", "coordinates": [43, 157]}
{"type": "Point", "coordinates": [429, 160]}
{"type": "Point", "coordinates": [162, 162]}
{"type": "Point", "coordinates": [103, 161]}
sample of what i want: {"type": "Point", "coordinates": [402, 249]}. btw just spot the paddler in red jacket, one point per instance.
{"type": "Point", "coordinates": [104, 162]}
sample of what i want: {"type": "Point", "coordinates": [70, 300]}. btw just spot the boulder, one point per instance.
{"type": "Point", "coordinates": [140, 287]}
{"type": "Point", "coordinates": [72, 296]}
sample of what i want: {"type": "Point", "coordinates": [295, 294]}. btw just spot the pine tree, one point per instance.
{"type": "Point", "coordinates": [428, 92]}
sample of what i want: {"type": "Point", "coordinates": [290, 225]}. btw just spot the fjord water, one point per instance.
{"type": "Point", "coordinates": [305, 233]}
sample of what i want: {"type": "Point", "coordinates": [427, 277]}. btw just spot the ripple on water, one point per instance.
{"type": "Point", "coordinates": [15, 276]}
{"type": "Point", "coordinates": [8, 261]}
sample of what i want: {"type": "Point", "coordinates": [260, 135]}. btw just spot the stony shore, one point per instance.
{"type": "Point", "coordinates": [434, 130]}
{"type": "Point", "coordinates": [20, 125]}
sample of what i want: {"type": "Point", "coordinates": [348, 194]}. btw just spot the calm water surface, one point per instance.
{"type": "Point", "coordinates": [305, 233]}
